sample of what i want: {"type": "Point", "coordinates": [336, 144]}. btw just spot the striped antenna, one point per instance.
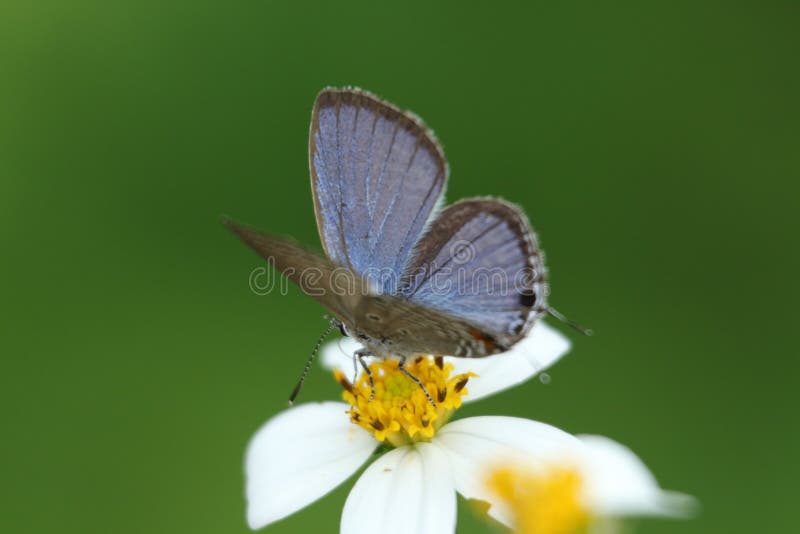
{"type": "Point", "coordinates": [331, 326]}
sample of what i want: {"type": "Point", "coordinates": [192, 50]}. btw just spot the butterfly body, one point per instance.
{"type": "Point", "coordinates": [400, 275]}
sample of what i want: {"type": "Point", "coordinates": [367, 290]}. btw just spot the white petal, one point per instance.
{"type": "Point", "coordinates": [338, 354]}
{"type": "Point", "coordinates": [619, 484]}
{"type": "Point", "coordinates": [476, 445]}
{"type": "Point", "coordinates": [541, 348]}
{"type": "Point", "coordinates": [300, 455]}
{"type": "Point", "coordinates": [409, 489]}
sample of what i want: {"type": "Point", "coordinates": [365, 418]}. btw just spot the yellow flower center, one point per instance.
{"type": "Point", "coordinates": [400, 413]}
{"type": "Point", "coordinates": [546, 502]}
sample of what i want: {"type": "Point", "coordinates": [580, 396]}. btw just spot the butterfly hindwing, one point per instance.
{"type": "Point", "coordinates": [401, 327]}
{"type": "Point", "coordinates": [480, 262]}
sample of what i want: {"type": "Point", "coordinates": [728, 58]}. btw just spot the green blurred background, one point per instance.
{"type": "Point", "coordinates": [654, 146]}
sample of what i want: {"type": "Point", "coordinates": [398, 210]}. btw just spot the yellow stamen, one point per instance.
{"type": "Point", "coordinates": [547, 502]}
{"type": "Point", "coordinates": [400, 413]}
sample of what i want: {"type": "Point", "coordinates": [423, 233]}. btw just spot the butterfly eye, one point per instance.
{"type": "Point", "coordinates": [373, 317]}
{"type": "Point", "coordinates": [343, 330]}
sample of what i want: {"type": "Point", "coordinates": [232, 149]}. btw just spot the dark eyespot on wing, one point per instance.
{"type": "Point", "coordinates": [527, 300]}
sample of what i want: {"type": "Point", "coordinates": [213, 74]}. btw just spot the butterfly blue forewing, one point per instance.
{"type": "Point", "coordinates": [377, 175]}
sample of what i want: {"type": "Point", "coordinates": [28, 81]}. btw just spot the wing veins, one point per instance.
{"type": "Point", "coordinates": [449, 259]}
{"type": "Point", "coordinates": [370, 204]}
{"type": "Point", "coordinates": [374, 238]}
{"type": "Point", "coordinates": [339, 184]}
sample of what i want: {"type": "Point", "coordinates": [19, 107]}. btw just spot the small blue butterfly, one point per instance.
{"type": "Point", "coordinates": [402, 276]}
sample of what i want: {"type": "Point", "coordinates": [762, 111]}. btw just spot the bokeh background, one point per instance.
{"type": "Point", "coordinates": [654, 146]}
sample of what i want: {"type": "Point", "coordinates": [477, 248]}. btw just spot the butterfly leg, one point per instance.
{"type": "Point", "coordinates": [355, 369]}
{"type": "Point", "coordinates": [416, 380]}
{"type": "Point", "coordinates": [360, 355]}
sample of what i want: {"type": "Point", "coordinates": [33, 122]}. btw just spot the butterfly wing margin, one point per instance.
{"type": "Point", "coordinates": [480, 261]}
{"type": "Point", "coordinates": [377, 176]}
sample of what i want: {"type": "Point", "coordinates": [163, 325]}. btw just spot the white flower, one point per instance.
{"type": "Point", "coordinates": [587, 488]}
{"type": "Point", "coordinates": [303, 453]}
{"type": "Point", "coordinates": [306, 451]}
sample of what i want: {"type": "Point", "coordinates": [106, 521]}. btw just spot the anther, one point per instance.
{"type": "Point", "coordinates": [344, 382]}
{"type": "Point", "coordinates": [460, 384]}
{"type": "Point", "coordinates": [377, 425]}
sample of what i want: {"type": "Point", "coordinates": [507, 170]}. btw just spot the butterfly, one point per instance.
{"type": "Point", "coordinates": [401, 274]}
